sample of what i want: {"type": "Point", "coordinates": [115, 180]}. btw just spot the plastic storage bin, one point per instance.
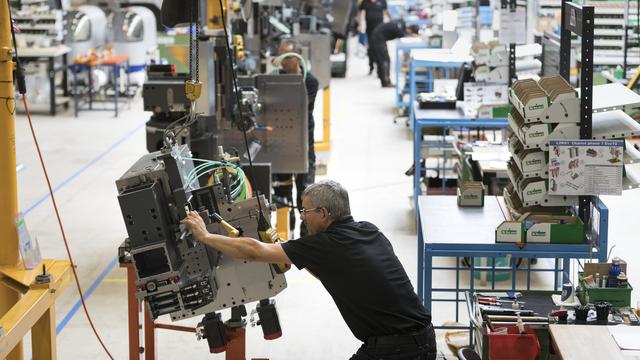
{"type": "Point", "coordinates": [513, 345]}
{"type": "Point", "coordinates": [618, 297]}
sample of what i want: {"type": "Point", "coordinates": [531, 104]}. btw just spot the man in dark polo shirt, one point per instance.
{"type": "Point", "coordinates": [356, 264]}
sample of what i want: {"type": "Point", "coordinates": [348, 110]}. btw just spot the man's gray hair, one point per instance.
{"type": "Point", "coordinates": [293, 44]}
{"type": "Point", "coordinates": [330, 195]}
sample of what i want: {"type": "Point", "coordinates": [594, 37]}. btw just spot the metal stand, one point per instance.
{"type": "Point", "coordinates": [579, 20]}
{"type": "Point", "coordinates": [233, 330]}
{"type": "Point", "coordinates": [511, 4]}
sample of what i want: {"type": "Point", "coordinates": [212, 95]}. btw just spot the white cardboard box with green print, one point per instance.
{"type": "Point", "coordinates": [471, 193]}
{"type": "Point", "coordinates": [541, 228]}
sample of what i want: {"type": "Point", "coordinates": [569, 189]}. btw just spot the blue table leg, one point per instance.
{"type": "Point", "coordinates": [566, 270]}
{"type": "Point", "coordinates": [75, 91]}
{"type": "Point", "coordinates": [90, 74]}
{"type": "Point", "coordinates": [116, 72]}
{"type": "Point", "coordinates": [416, 193]}
{"type": "Point", "coordinates": [457, 287]}
{"type": "Point", "coordinates": [398, 95]}
{"type": "Point", "coordinates": [443, 176]}
{"type": "Point", "coordinates": [412, 94]}
{"type": "Point", "coordinates": [421, 263]}
{"type": "Point", "coordinates": [428, 280]}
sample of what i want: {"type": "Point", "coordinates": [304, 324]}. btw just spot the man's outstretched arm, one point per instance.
{"type": "Point", "coordinates": [245, 248]}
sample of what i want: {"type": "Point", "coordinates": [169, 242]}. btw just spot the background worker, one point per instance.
{"type": "Point", "coordinates": [378, 42]}
{"type": "Point", "coordinates": [374, 11]}
{"type": "Point", "coordinates": [356, 264]}
{"type": "Point", "coordinates": [283, 183]}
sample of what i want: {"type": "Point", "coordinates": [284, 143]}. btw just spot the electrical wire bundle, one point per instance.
{"type": "Point", "coordinates": [239, 186]}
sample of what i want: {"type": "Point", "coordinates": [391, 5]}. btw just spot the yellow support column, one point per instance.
{"type": "Point", "coordinates": [325, 144]}
{"type": "Point", "coordinates": [8, 184]}
{"type": "Point", "coordinates": [43, 333]}
{"type": "Point", "coordinates": [282, 222]}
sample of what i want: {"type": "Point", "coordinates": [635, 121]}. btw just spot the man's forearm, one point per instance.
{"type": "Point", "coordinates": [244, 248]}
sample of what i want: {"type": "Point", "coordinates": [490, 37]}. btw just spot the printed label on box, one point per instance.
{"type": "Point", "coordinates": [539, 233]}
{"type": "Point", "coordinates": [509, 232]}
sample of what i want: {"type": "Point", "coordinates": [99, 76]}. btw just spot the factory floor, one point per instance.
{"type": "Point", "coordinates": [369, 155]}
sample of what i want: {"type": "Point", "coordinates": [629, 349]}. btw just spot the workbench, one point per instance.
{"type": "Point", "coordinates": [430, 59]}
{"type": "Point", "coordinates": [49, 55]}
{"type": "Point", "coordinates": [578, 342]}
{"type": "Point", "coordinates": [404, 45]}
{"type": "Point", "coordinates": [443, 118]}
{"type": "Point", "coordinates": [446, 230]}
{"type": "Point", "coordinates": [113, 64]}
{"type": "Point", "coordinates": [492, 163]}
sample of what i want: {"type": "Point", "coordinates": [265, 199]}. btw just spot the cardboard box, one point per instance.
{"type": "Point", "coordinates": [542, 229]}
{"type": "Point", "coordinates": [510, 232]}
{"type": "Point", "coordinates": [553, 229]}
{"type": "Point", "coordinates": [531, 162]}
{"type": "Point", "coordinates": [534, 191]}
{"type": "Point", "coordinates": [537, 135]}
{"type": "Point", "coordinates": [471, 194]}
{"type": "Point", "coordinates": [551, 100]}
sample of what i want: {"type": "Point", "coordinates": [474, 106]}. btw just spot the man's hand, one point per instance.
{"type": "Point", "coordinates": [240, 248]}
{"type": "Point", "coordinates": [196, 225]}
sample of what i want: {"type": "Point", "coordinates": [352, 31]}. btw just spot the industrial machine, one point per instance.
{"type": "Point", "coordinates": [315, 24]}
{"type": "Point", "coordinates": [133, 33]}
{"type": "Point", "coordinates": [86, 29]}
{"type": "Point", "coordinates": [212, 117]}
{"type": "Point", "coordinates": [274, 114]}
{"type": "Point", "coordinates": [177, 275]}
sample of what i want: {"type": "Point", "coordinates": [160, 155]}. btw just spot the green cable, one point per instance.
{"type": "Point", "coordinates": [208, 165]}
{"type": "Point", "coordinates": [303, 63]}
{"type": "Point", "coordinates": [204, 168]}
{"type": "Point", "coordinates": [200, 170]}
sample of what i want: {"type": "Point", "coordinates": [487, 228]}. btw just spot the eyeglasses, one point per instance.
{"type": "Point", "coordinates": [304, 211]}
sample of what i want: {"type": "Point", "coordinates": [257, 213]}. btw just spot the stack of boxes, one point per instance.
{"type": "Point", "coordinates": [492, 61]}
{"type": "Point", "coordinates": [542, 110]}
{"type": "Point", "coordinates": [470, 193]}
{"type": "Point", "coordinates": [487, 97]}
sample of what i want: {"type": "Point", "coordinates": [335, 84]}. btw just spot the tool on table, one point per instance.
{"type": "Point", "coordinates": [513, 295]}
{"type": "Point", "coordinates": [492, 310]}
{"type": "Point", "coordinates": [602, 312]}
{"type": "Point", "coordinates": [561, 314]}
{"type": "Point", "coordinates": [495, 301]}
{"type": "Point", "coordinates": [582, 312]}
{"type": "Point", "coordinates": [509, 318]}
{"type": "Point", "coordinates": [520, 325]}
{"type": "Point", "coordinates": [631, 317]}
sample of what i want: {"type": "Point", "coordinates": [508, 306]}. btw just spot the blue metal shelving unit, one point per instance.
{"type": "Point", "coordinates": [472, 229]}
{"type": "Point", "coordinates": [402, 46]}
{"type": "Point", "coordinates": [446, 230]}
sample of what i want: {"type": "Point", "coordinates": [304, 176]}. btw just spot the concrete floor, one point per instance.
{"type": "Point", "coordinates": [369, 155]}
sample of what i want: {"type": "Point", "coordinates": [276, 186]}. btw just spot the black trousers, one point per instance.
{"type": "Point", "coordinates": [420, 345]}
{"type": "Point", "coordinates": [370, 26]}
{"type": "Point", "coordinates": [381, 54]}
